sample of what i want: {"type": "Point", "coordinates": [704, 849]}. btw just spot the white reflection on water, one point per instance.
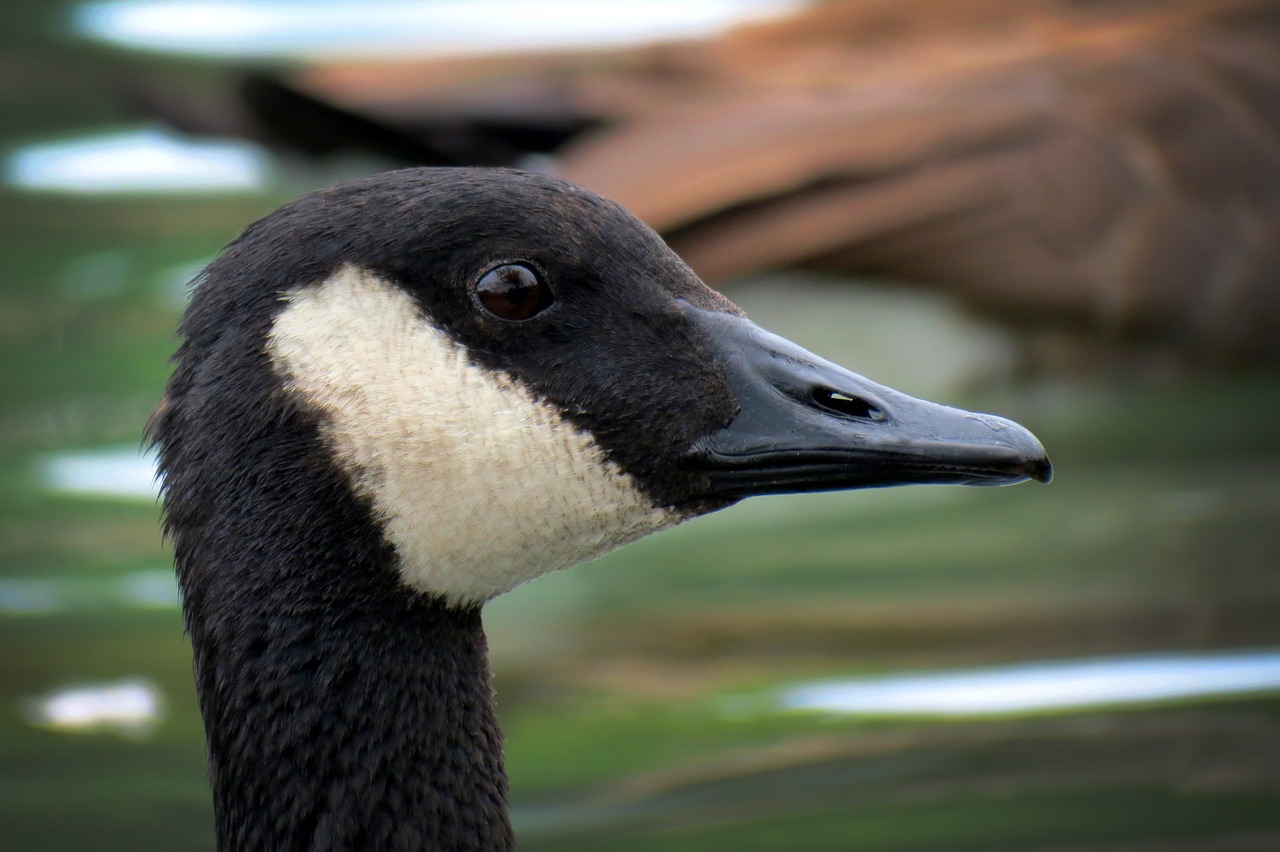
{"type": "Point", "coordinates": [385, 28]}
{"type": "Point", "coordinates": [131, 707]}
{"type": "Point", "coordinates": [138, 161]}
{"type": "Point", "coordinates": [152, 588]}
{"type": "Point", "coordinates": [1032, 687]}
{"type": "Point", "coordinates": [125, 472]}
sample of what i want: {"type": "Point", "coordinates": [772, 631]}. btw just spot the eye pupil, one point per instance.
{"type": "Point", "coordinates": [513, 292]}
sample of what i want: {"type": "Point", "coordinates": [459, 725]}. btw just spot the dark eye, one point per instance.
{"type": "Point", "coordinates": [513, 292]}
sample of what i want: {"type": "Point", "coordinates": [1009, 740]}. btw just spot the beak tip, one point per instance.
{"type": "Point", "coordinates": [1029, 457]}
{"type": "Point", "coordinates": [1040, 469]}
{"type": "Point", "coordinates": [1036, 464]}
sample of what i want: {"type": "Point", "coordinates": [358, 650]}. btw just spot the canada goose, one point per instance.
{"type": "Point", "coordinates": [1104, 168]}
{"type": "Point", "coordinates": [401, 396]}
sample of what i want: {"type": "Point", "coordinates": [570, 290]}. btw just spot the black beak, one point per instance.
{"type": "Point", "coordinates": [805, 424]}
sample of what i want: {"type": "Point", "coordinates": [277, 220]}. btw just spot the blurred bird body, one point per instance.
{"type": "Point", "coordinates": [1112, 168]}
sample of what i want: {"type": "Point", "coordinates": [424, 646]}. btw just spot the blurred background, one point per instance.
{"type": "Point", "coordinates": [1064, 212]}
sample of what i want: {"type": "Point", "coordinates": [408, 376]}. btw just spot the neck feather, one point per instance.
{"type": "Point", "coordinates": [342, 710]}
{"type": "Point", "coordinates": [377, 735]}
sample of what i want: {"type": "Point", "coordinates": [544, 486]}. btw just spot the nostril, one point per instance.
{"type": "Point", "coordinates": [848, 405]}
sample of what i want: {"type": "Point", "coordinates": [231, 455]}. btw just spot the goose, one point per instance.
{"type": "Point", "coordinates": [403, 395]}
{"type": "Point", "coordinates": [1107, 171]}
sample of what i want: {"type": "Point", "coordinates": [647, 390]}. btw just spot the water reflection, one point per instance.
{"type": "Point", "coordinates": [131, 707]}
{"type": "Point", "coordinates": [152, 588]}
{"type": "Point", "coordinates": [121, 472]}
{"type": "Point", "coordinates": [138, 161]}
{"type": "Point", "coordinates": [1036, 687]}
{"type": "Point", "coordinates": [241, 28]}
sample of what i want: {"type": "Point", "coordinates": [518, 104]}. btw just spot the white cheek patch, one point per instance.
{"type": "Point", "coordinates": [480, 487]}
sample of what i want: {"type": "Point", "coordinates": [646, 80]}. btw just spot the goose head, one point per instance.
{"type": "Point", "coordinates": [404, 395]}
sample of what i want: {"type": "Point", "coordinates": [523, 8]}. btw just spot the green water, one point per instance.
{"type": "Point", "coordinates": [636, 691]}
